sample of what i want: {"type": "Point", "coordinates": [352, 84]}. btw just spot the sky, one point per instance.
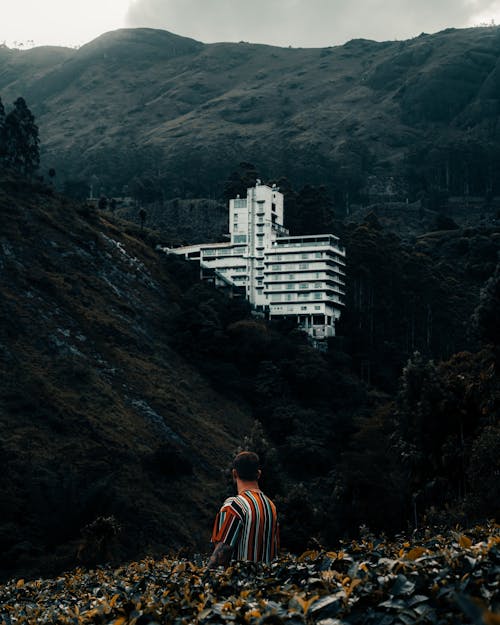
{"type": "Point", "coordinates": [299, 23]}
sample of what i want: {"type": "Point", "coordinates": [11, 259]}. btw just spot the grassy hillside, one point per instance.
{"type": "Point", "coordinates": [98, 414]}
{"type": "Point", "coordinates": [148, 103]}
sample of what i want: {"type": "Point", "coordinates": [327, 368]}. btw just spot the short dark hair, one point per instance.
{"type": "Point", "coordinates": [247, 465]}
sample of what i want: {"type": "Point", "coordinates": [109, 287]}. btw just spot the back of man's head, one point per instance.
{"type": "Point", "coordinates": [247, 465]}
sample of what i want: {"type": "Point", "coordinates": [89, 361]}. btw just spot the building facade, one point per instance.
{"type": "Point", "coordinates": [299, 277]}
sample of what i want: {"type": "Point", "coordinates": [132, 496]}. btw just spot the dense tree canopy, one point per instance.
{"type": "Point", "coordinates": [19, 142]}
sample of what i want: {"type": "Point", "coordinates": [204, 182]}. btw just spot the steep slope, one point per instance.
{"type": "Point", "coordinates": [137, 102]}
{"type": "Point", "coordinates": [98, 415]}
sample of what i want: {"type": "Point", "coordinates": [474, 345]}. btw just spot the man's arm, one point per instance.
{"type": "Point", "coordinates": [221, 556]}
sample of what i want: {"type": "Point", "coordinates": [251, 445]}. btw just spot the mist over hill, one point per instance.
{"type": "Point", "coordinates": [415, 116]}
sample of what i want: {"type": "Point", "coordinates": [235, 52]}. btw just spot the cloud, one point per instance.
{"type": "Point", "coordinates": [307, 22]}
{"type": "Point", "coordinates": [60, 22]}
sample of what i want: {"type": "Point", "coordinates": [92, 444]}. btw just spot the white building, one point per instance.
{"type": "Point", "coordinates": [284, 276]}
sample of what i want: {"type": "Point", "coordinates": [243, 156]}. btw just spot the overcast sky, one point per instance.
{"type": "Point", "coordinates": [308, 23]}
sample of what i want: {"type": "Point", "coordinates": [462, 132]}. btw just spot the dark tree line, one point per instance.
{"type": "Point", "coordinates": [353, 436]}
{"type": "Point", "coordinates": [19, 142]}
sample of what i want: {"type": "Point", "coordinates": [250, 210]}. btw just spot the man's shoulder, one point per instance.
{"type": "Point", "coordinates": [236, 504]}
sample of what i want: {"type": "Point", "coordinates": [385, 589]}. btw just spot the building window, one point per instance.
{"type": "Point", "coordinates": [235, 216]}
{"type": "Point", "coordinates": [304, 285]}
{"type": "Point", "coordinates": [289, 297]}
{"type": "Point", "coordinates": [291, 276]}
{"type": "Point", "coordinates": [304, 266]}
{"type": "Point", "coordinates": [275, 297]}
{"type": "Point", "coordinates": [304, 255]}
{"type": "Point", "coordinates": [276, 277]}
{"type": "Point", "coordinates": [290, 287]}
{"type": "Point", "coordinates": [317, 275]}
{"type": "Point", "coordinates": [238, 203]}
{"type": "Point", "coordinates": [240, 238]}
{"type": "Point", "coordinates": [303, 308]}
{"type": "Point", "coordinates": [317, 308]}
{"type": "Point", "coordinates": [319, 254]}
{"type": "Point", "coordinates": [276, 267]}
{"type": "Point", "coordinates": [318, 285]}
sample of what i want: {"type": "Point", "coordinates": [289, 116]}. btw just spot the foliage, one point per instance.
{"type": "Point", "coordinates": [486, 317]}
{"type": "Point", "coordinates": [428, 578]}
{"type": "Point", "coordinates": [240, 180]}
{"type": "Point", "coordinates": [99, 540]}
{"type": "Point", "coordinates": [19, 139]}
{"type": "Point", "coordinates": [2, 132]}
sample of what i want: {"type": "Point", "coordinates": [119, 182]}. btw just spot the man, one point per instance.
{"type": "Point", "coordinates": [246, 526]}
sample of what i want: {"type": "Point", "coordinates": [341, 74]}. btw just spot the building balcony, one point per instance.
{"type": "Point", "coordinates": [279, 229]}
{"type": "Point", "coordinates": [315, 265]}
{"type": "Point", "coordinates": [312, 241]}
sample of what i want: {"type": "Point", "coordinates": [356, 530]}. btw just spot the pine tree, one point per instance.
{"type": "Point", "coordinates": [2, 132]}
{"type": "Point", "coordinates": [21, 139]}
{"type": "Point", "coordinates": [486, 317]}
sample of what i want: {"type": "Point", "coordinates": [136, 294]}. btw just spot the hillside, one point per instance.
{"type": "Point", "coordinates": [395, 117]}
{"type": "Point", "coordinates": [99, 415]}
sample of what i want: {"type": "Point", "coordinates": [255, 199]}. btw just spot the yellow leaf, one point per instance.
{"type": "Point", "coordinates": [416, 552]}
{"type": "Point", "coordinates": [464, 541]}
{"type": "Point", "coordinates": [120, 620]}
{"type": "Point", "coordinates": [252, 614]}
{"type": "Point", "coordinates": [305, 604]}
{"type": "Point", "coordinates": [113, 600]}
{"type": "Point", "coordinates": [20, 583]}
{"type": "Point", "coordinates": [179, 568]}
{"type": "Point", "coordinates": [490, 618]}
{"type": "Point", "coordinates": [355, 582]}
{"type": "Point", "coordinates": [308, 555]}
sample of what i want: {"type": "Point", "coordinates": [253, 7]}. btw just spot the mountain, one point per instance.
{"type": "Point", "coordinates": [410, 115]}
{"type": "Point", "coordinates": [99, 415]}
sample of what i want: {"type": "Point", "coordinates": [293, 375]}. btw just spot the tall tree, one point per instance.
{"type": "Point", "coordinates": [240, 180]}
{"type": "Point", "coordinates": [2, 131]}
{"type": "Point", "coordinates": [486, 317]}
{"type": "Point", "coordinates": [313, 212]}
{"type": "Point", "coordinates": [21, 138]}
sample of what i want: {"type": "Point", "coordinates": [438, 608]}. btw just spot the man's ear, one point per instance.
{"type": "Point", "coordinates": [259, 473]}
{"type": "Point", "coordinates": [234, 474]}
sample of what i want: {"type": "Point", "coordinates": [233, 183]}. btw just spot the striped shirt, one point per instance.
{"type": "Point", "coordinates": [249, 524]}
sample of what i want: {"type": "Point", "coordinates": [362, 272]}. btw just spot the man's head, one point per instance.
{"type": "Point", "coordinates": [246, 466]}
